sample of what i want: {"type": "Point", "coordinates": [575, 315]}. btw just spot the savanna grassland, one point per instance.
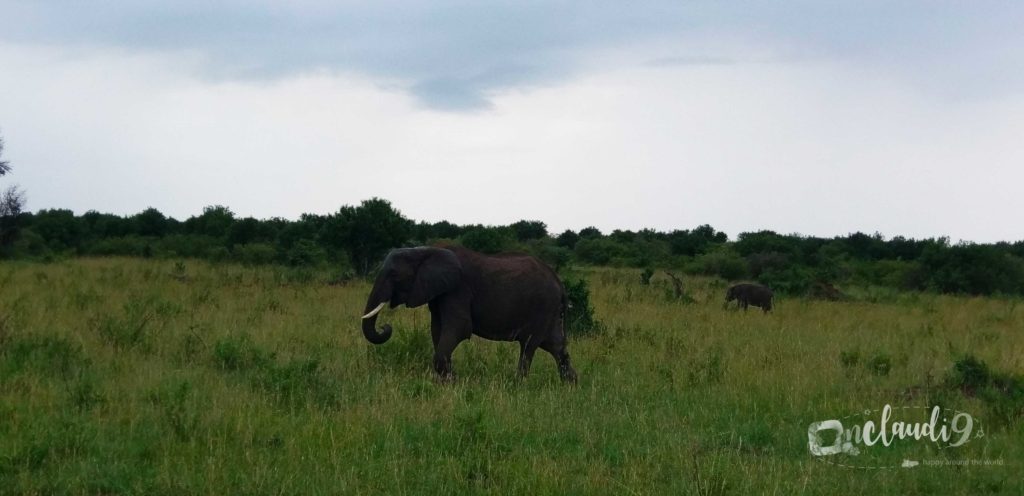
{"type": "Point", "coordinates": [159, 377]}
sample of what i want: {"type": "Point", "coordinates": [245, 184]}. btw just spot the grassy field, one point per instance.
{"type": "Point", "coordinates": [156, 377]}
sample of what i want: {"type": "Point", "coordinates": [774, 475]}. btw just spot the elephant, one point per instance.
{"type": "Point", "coordinates": [505, 297]}
{"type": "Point", "coordinates": [750, 294]}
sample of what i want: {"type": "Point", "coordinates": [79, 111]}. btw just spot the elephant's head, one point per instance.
{"type": "Point", "coordinates": [731, 294]}
{"type": "Point", "coordinates": [410, 276]}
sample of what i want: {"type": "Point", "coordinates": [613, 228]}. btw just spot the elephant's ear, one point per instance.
{"type": "Point", "coordinates": [439, 273]}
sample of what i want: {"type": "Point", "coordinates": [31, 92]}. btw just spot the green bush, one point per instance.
{"type": "Point", "coordinates": [894, 274]}
{"type": "Point", "coordinates": [187, 245]}
{"type": "Point", "coordinates": [973, 269]}
{"type": "Point", "coordinates": [597, 251]}
{"type": "Point", "coordinates": [306, 253]}
{"type": "Point", "coordinates": [758, 263]}
{"type": "Point", "coordinates": [555, 256]}
{"type": "Point", "coordinates": [132, 246]}
{"type": "Point", "coordinates": [880, 364]}
{"type": "Point", "coordinates": [1003, 393]}
{"type": "Point", "coordinates": [722, 262]}
{"type": "Point", "coordinates": [792, 280]}
{"type": "Point", "coordinates": [646, 275]}
{"type": "Point", "coordinates": [579, 316]}
{"type": "Point", "coordinates": [218, 254]}
{"type": "Point", "coordinates": [30, 244]}
{"type": "Point", "coordinates": [255, 253]}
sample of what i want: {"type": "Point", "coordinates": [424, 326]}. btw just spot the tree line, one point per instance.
{"type": "Point", "coordinates": [355, 238]}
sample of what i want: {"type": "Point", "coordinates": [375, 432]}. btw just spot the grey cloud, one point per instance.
{"type": "Point", "coordinates": [452, 54]}
{"type": "Point", "coordinates": [449, 94]}
{"type": "Point", "coordinates": [690, 60]}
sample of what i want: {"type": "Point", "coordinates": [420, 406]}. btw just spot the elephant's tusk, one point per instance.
{"type": "Point", "coordinates": [374, 311]}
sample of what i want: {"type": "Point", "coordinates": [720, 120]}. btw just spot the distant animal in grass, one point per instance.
{"type": "Point", "coordinates": [746, 294]}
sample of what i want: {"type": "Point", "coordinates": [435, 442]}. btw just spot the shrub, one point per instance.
{"type": "Point", "coordinates": [792, 280]}
{"type": "Point", "coordinates": [972, 269]}
{"type": "Point", "coordinates": [218, 254]}
{"type": "Point", "coordinates": [187, 245]}
{"type": "Point", "coordinates": [723, 263]}
{"type": "Point", "coordinates": [897, 274]}
{"type": "Point", "coordinates": [30, 244]}
{"type": "Point", "coordinates": [880, 364]}
{"type": "Point", "coordinates": [597, 251]}
{"type": "Point", "coordinates": [579, 316]}
{"type": "Point", "coordinates": [1003, 393]}
{"type": "Point", "coordinates": [555, 256]}
{"type": "Point", "coordinates": [255, 253]}
{"type": "Point", "coordinates": [758, 263]}
{"type": "Point", "coordinates": [645, 276]}
{"type": "Point", "coordinates": [133, 246]}
{"type": "Point", "coordinates": [306, 253]}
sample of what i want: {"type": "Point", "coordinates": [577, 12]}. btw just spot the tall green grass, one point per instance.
{"type": "Point", "coordinates": [123, 376]}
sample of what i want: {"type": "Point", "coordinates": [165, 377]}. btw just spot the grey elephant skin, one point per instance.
{"type": "Point", "coordinates": [750, 294]}
{"type": "Point", "coordinates": [507, 297]}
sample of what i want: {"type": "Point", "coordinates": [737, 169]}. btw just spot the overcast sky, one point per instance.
{"type": "Point", "coordinates": [813, 117]}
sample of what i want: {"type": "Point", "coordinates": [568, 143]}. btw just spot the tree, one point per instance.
{"type": "Point", "coordinates": [150, 222]}
{"type": "Point", "coordinates": [366, 232]}
{"type": "Point", "coordinates": [59, 227]}
{"type": "Point", "coordinates": [215, 221]}
{"type": "Point", "coordinates": [5, 166]}
{"type": "Point", "coordinates": [766, 241]}
{"type": "Point", "coordinates": [306, 228]}
{"type": "Point", "coordinates": [447, 230]}
{"type": "Point", "coordinates": [622, 236]}
{"type": "Point", "coordinates": [567, 239]}
{"type": "Point", "coordinates": [244, 231]}
{"type": "Point", "coordinates": [529, 229]}
{"type": "Point", "coordinates": [424, 232]}
{"type": "Point", "coordinates": [488, 239]}
{"type": "Point", "coordinates": [12, 201]}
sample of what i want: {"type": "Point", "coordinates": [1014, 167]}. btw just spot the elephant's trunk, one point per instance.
{"type": "Point", "coordinates": [379, 296]}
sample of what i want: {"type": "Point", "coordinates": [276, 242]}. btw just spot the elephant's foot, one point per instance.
{"type": "Point", "coordinates": [443, 370]}
{"type": "Point", "coordinates": [568, 375]}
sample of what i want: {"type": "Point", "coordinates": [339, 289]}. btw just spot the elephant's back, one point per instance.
{"type": "Point", "coordinates": [514, 291]}
{"type": "Point", "coordinates": [523, 272]}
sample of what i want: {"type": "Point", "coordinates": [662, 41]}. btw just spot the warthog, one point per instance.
{"type": "Point", "coordinates": [750, 294]}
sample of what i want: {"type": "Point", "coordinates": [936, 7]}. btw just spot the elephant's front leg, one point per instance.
{"type": "Point", "coordinates": [452, 332]}
{"type": "Point", "coordinates": [435, 323]}
{"type": "Point", "coordinates": [443, 355]}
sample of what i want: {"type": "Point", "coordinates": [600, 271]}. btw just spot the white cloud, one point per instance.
{"type": "Point", "coordinates": [815, 147]}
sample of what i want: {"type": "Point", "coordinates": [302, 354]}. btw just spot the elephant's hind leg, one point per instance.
{"type": "Point", "coordinates": [561, 354]}
{"type": "Point", "coordinates": [527, 347]}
